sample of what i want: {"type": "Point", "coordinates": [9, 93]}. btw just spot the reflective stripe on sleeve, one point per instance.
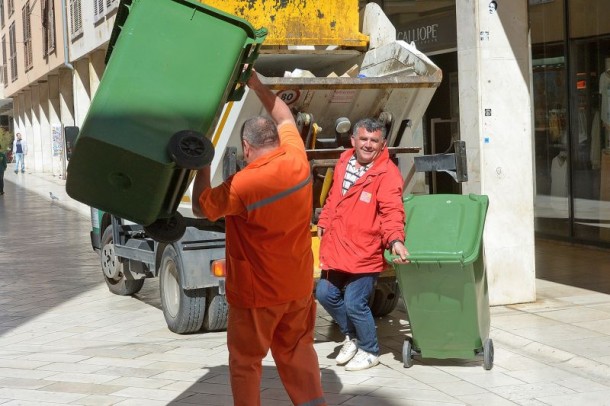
{"type": "Point", "coordinates": [281, 195]}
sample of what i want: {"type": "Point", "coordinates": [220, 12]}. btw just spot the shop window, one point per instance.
{"type": "Point", "coordinates": [571, 93]}
{"type": "Point", "coordinates": [551, 118]}
{"type": "Point", "coordinates": [590, 130]}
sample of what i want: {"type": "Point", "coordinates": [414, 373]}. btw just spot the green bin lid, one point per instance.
{"type": "Point", "coordinates": [444, 227]}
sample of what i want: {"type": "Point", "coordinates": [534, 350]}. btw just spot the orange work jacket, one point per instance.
{"type": "Point", "coordinates": [268, 209]}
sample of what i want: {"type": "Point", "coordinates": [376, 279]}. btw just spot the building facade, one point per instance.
{"type": "Point", "coordinates": [52, 54]}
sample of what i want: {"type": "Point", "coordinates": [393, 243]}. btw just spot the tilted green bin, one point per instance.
{"type": "Point", "coordinates": [444, 286]}
{"type": "Point", "coordinates": [171, 67]}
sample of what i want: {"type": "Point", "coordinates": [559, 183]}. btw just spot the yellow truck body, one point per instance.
{"type": "Point", "coordinates": [299, 22]}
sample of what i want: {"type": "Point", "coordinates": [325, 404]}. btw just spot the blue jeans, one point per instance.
{"type": "Point", "coordinates": [345, 297]}
{"type": "Point", "coordinates": [19, 160]}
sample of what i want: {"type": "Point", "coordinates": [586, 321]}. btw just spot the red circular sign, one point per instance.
{"type": "Point", "coordinates": [288, 96]}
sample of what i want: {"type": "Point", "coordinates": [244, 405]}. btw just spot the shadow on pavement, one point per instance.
{"type": "Point", "coordinates": [214, 388]}
{"type": "Point", "coordinates": [46, 257]}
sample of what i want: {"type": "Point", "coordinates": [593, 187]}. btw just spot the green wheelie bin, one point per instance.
{"type": "Point", "coordinates": [171, 66]}
{"type": "Point", "coordinates": [444, 286]}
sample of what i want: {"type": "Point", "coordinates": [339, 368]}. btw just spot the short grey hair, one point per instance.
{"type": "Point", "coordinates": [260, 132]}
{"type": "Point", "coordinates": [371, 125]}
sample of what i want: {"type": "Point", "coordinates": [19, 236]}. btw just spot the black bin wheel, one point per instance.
{"type": "Point", "coordinates": [190, 149]}
{"type": "Point", "coordinates": [488, 354]}
{"type": "Point", "coordinates": [167, 230]}
{"type": "Point", "coordinates": [407, 353]}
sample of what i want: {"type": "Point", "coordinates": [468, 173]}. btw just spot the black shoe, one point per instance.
{"type": "Point", "coordinates": [16, 171]}
{"type": "Point", "coordinates": [1, 193]}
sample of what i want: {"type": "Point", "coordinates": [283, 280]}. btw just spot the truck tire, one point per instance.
{"type": "Point", "coordinates": [114, 269]}
{"type": "Point", "coordinates": [183, 309]}
{"type": "Point", "coordinates": [217, 311]}
{"type": "Point", "coordinates": [384, 299]}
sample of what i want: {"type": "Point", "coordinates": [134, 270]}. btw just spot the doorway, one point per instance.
{"type": "Point", "coordinates": [441, 122]}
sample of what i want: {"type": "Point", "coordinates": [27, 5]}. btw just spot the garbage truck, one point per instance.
{"type": "Point", "coordinates": [331, 73]}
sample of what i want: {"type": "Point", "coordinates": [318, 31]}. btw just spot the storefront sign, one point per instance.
{"type": "Point", "coordinates": [430, 33]}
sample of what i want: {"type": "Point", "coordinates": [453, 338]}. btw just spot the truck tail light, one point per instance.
{"type": "Point", "coordinates": [219, 268]}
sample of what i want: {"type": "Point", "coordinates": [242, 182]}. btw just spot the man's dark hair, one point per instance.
{"type": "Point", "coordinates": [260, 132]}
{"type": "Point", "coordinates": [370, 125]}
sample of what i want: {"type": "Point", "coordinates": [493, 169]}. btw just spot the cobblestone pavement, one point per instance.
{"type": "Point", "coordinates": [65, 339]}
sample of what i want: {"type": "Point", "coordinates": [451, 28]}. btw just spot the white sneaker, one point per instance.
{"type": "Point", "coordinates": [347, 351]}
{"type": "Point", "coordinates": [362, 360]}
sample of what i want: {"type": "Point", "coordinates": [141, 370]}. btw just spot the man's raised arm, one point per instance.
{"type": "Point", "coordinates": [277, 109]}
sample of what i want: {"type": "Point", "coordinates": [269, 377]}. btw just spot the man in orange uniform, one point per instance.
{"type": "Point", "coordinates": [267, 209]}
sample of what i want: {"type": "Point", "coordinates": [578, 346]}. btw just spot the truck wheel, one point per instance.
{"type": "Point", "coordinates": [384, 299]}
{"type": "Point", "coordinates": [114, 269]}
{"type": "Point", "coordinates": [183, 309]}
{"type": "Point", "coordinates": [217, 311]}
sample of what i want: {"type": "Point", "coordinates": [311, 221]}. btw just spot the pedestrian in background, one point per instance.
{"type": "Point", "coordinates": [20, 149]}
{"type": "Point", "coordinates": [362, 216]}
{"type": "Point", "coordinates": [268, 210]}
{"type": "Point", "coordinates": [3, 165]}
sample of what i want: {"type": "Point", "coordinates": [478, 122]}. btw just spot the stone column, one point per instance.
{"type": "Point", "coordinates": [96, 69]}
{"type": "Point", "coordinates": [54, 108]}
{"type": "Point", "coordinates": [26, 129]}
{"type": "Point", "coordinates": [45, 131]}
{"type": "Point", "coordinates": [82, 90]}
{"type": "Point", "coordinates": [66, 97]}
{"type": "Point", "coordinates": [496, 123]}
{"type": "Point", "coordinates": [35, 153]}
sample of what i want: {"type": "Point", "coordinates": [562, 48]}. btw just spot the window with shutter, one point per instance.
{"type": "Point", "coordinates": [111, 5]}
{"type": "Point", "coordinates": [27, 37]}
{"type": "Point", "coordinates": [76, 19]}
{"type": "Point", "coordinates": [47, 13]}
{"type": "Point", "coordinates": [51, 27]}
{"type": "Point", "coordinates": [98, 10]}
{"type": "Point", "coordinates": [4, 67]}
{"type": "Point", "coordinates": [13, 51]}
{"type": "Point", "coordinates": [45, 24]}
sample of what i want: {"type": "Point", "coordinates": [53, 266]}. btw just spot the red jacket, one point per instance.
{"type": "Point", "coordinates": [267, 209]}
{"type": "Point", "coordinates": [359, 225]}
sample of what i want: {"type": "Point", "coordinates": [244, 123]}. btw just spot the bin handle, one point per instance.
{"type": "Point", "coordinates": [431, 258]}
{"type": "Point", "coordinates": [252, 46]}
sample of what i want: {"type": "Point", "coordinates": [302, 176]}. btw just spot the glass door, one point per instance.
{"type": "Point", "coordinates": [590, 137]}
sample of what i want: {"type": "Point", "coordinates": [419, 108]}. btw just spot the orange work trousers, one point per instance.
{"type": "Point", "coordinates": [287, 330]}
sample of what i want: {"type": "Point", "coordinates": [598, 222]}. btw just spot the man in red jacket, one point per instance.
{"type": "Point", "coordinates": [363, 215]}
{"type": "Point", "coordinates": [267, 209]}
